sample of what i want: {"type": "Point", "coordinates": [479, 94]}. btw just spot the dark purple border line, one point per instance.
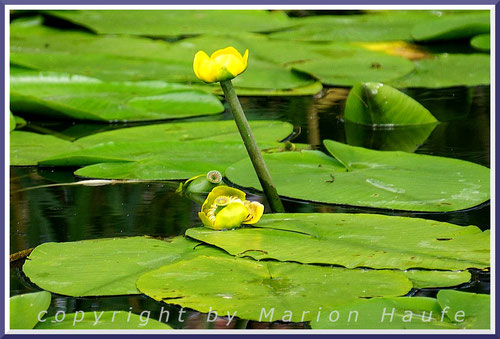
{"type": "Point", "coordinates": [254, 334]}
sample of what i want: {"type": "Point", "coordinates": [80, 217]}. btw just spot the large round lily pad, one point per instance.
{"type": "Point", "coordinates": [82, 98]}
{"type": "Point", "coordinates": [356, 240]}
{"type": "Point", "coordinates": [102, 266]}
{"type": "Point", "coordinates": [362, 177]}
{"type": "Point", "coordinates": [265, 291]}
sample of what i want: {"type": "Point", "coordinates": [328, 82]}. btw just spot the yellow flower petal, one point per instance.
{"type": "Point", "coordinates": [255, 211]}
{"type": "Point", "coordinates": [223, 64]}
{"type": "Point", "coordinates": [231, 216]}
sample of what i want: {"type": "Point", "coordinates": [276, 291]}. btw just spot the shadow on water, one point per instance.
{"type": "Point", "coordinates": [70, 213]}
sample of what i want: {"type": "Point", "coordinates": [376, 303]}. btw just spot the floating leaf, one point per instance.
{"type": "Point", "coordinates": [384, 26]}
{"type": "Point", "coordinates": [448, 70]}
{"type": "Point", "coordinates": [101, 320]}
{"type": "Point", "coordinates": [402, 138]}
{"type": "Point", "coordinates": [306, 90]}
{"type": "Point", "coordinates": [481, 42]}
{"type": "Point", "coordinates": [356, 240]}
{"type": "Point", "coordinates": [378, 104]}
{"type": "Point", "coordinates": [452, 27]}
{"type": "Point", "coordinates": [359, 67]}
{"type": "Point", "coordinates": [133, 59]}
{"type": "Point", "coordinates": [25, 309]}
{"type": "Point", "coordinates": [473, 309]}
{"type": "Point", "coordinates": [247, 288]}
{"type": "Point", "coordinates": [12, 122]}
{"type": "Point", "coordinates": [101, 266]}
{"type": "Point", "coordinates": [428, 279]}
{"type": "Point", "coordinates": [83, 98]}
{"type": "Point", "coordinates": [27, 149]}
{"type": "Point", "coordinates": [386, 313]}
{"type": "Point", "coordinates": [175, 22]}
{"type": "Point", "coordinates": [381, 179]}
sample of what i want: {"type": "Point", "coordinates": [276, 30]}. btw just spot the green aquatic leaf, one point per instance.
{"type": "Point", "coordinates": [470, 309]}
{"type": "Point", "coordinates": [12, 122]}
{"type": "Point", "coordinates": [82, 98]}
{"type": "Point", "coordinates": [363, 66]}
{"type": "Point", "coordinates": [121, 58]}
{"type": "Point", "coordinates": [306, 90]}
{"type": "Point", "coordinates": [246, 288]}
{"type": "Point", "coordinates": [450, 27]}
{"type": "Point", "coordinates": [357, 240]}
{"type": "Point", "coordinates": [481, 42]}
{"type": "Point", "coordinates": [25, 308]}
{"type": "Point", "coordinates": [386, 313]}
{"type": "Point", "coordinates": [102, 320]}
{"type": "Point", "coordinates": [27, 149]}
{"type": "Point", "coordinates": [433, 279]}
{"type": "Point", "coordinates": [383, 26]}
{"type": "Point", "coordinates": [448, 70]}
{"type": "Point", "coordinates": [102, 266]}
{"type": "Point", "coordinates": [378, 104]}
{"type": "Point", "coordinates": [160, 23]}
{"type": "Point", "coordinates": [383, 179]}
{"type": "Point", "coordinates": [400, 138]}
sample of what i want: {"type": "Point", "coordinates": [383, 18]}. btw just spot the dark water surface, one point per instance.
{"type": "Point", "coordinates": [70, 213]}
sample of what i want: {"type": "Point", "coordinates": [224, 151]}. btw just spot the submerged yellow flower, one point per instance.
{"type": "Point", "coordinates": [226, 207]}
{"type": "Point", "coordinates": [224, 64]}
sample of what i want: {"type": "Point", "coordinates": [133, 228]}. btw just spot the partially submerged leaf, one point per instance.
{"type": "Point", "coordinates": [428, 279]}
{"type": "Point", "coordinates": [101, 320]}
{"type": "Point", "coordinates": [356, 240]}
{"type": "Point", "coordinates": [470, 309]}
{"type": "Point", "coordinates": [382, 179]}
{"type": "Point", "coordinates": [451, 27]}
{"type": "Point", "coordinates": [447, 70]}
{"type": "Point", "coordinates": [378, 104]}
{"type": "Point", "coordinates": [266, 290]}
{"type": "Point", "coordinates": [82, 98]}
{"type": "Point", "coordinates": [102, 266]}
{"type": "Point", "coordinates": [12, 122]}
{"type": "Point", "coordinates": [160, 23]}
{"type": "Point", "coordinates": [27, 149]}
{"type": "Point", "coordinates": [481, 42]}
{"type": "Point", "coordinates": [25, 309]}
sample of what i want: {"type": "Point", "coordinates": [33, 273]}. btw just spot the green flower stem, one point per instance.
{"type": "Point", "coordinates": [252, 148]}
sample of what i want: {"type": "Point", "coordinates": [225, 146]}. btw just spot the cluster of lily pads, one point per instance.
{"type": "Point", "coordinates": [289, 265]}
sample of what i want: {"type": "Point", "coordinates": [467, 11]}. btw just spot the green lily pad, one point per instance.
{"type": "Point", "coordinates": [356, 240]}
{"type": "Point", "coordinates": [386, 313]}
{"type": "Point", "coordinates": [452, 27]}
{"type": "Point", "coordinates": [378, 104]}
{"type": "Point", "coordinates": [12, 122]}
{"type": "Point", "coordinates": [472, 309]}
{"type": "Point", "coordinates": [363, 66]}
{"type": "Point", "coordinates": [448, 70]}
{"type": "Point", "coordinates": [481, 42]}
{"type": "Point", "coordinates": [248, 288]}
{"type": "Point", "coordinates": [101, 320]}
{"type": "Point", "coordinates": [172, 151]}
{"type": "Point", "coordinates": [385, 26]}
{"type": "Point", "coordinates": [305, 90]}
{"type": "Point", "coordinates": [433, 279]}
{"type": "Point", "coordinates": [400, 138]}
{"type": "Point", "coordinates": [382, 179]}
{"type": "Point", "coordinates": [159, 23]}
{"type": "Point", "coordinates": [25, 308]}
{"type": "Point", "coordinates": [122, 58]}
{"type": "Point", "coordinates": [82, 98]}
{"type": "Point", "coordinates": [102, 266]}
{"type": "Point", "coordinates": [27, 149]}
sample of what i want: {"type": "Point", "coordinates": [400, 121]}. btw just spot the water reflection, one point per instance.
{"type": "Point", "coordinates": [70, 213]}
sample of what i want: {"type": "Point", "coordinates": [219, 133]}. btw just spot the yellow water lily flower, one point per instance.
{"type": "Point", "coordinates": [226, 207]}
{"type": "Point", "coordinates": [224, 64]}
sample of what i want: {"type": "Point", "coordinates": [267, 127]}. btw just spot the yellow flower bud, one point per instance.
{"type": "Point", "coordinates": [224, 64]}
{"type": "Point", "coordinates": [226, 207]}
